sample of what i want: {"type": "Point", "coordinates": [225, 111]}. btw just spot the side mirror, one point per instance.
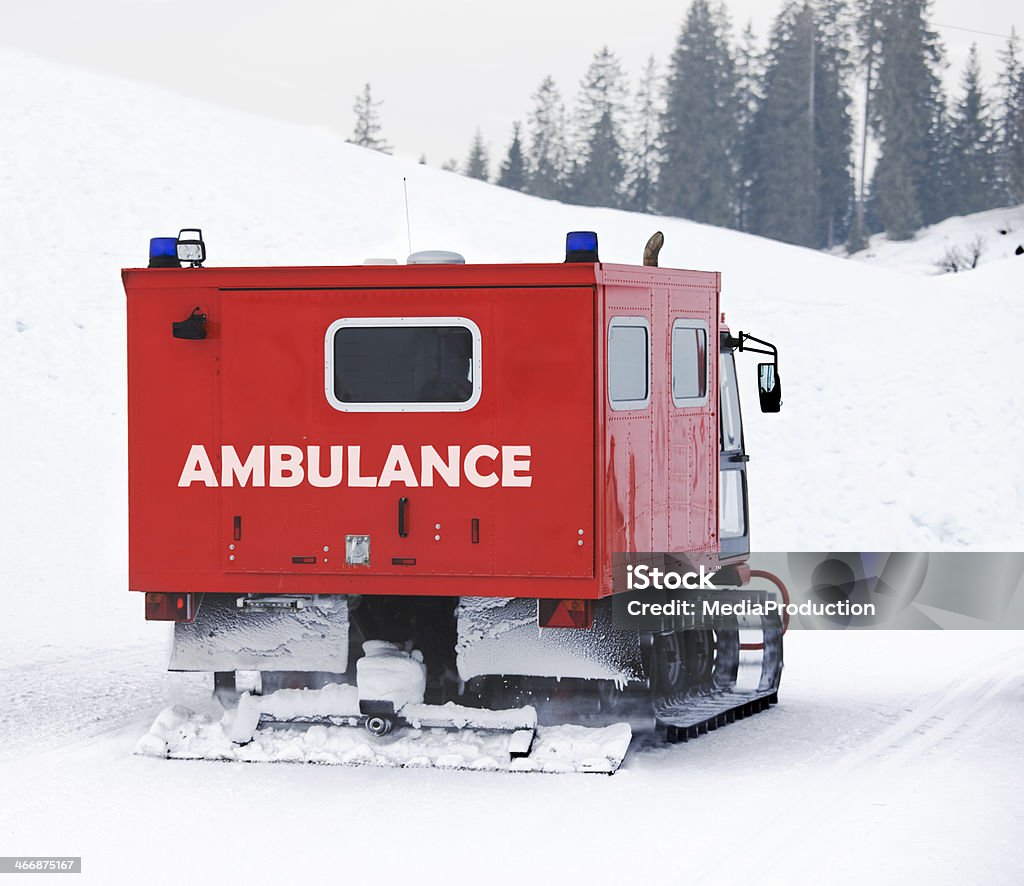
{"type": "Point", "coordinates": [769, 387]}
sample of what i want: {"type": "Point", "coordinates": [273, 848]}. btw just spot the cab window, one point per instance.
{"type": "Point", "coordinates": [629, 363]}
{"type": "Point", "coordinates": [689, 363]}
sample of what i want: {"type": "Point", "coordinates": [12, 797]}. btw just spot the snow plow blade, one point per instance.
{"type": "Point", "coordinates": [327, 726]}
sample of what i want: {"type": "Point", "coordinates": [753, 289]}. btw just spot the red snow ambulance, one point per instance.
{"type": "Point", "coordinates": [445, 457]}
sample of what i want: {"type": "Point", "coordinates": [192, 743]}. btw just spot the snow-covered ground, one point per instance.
{"type": "Point", "coordinates": [992, 236]}
{"type": "Point", "coordinates": [893, 757]}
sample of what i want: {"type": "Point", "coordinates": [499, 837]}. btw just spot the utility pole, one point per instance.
{"type": "Point", "coordinates": [811, 152]}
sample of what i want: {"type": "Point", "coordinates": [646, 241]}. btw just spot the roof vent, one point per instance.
{"type": "Point", "coordinates": [435, 257]}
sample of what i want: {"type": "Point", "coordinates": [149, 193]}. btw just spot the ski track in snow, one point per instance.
{"type": "Point", "coordinates": [874, 775]}
{"type": "Point", "coordinates": [893, 768]}
{"type": "Point", "coordinates": [57, 703]}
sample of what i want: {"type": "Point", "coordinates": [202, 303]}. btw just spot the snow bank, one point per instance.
{"type": "Point", "coordinates": [997, 232]}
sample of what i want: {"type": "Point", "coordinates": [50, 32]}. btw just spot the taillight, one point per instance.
{"type": "Point", "coordinates": [565, 613]}
{"type": "Point", "coordinates": [169, 607]}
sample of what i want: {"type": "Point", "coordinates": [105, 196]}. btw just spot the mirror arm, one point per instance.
{"type": "Point", "coordinates": [773, 353]}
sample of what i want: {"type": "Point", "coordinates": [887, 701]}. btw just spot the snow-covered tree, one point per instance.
{"type": "Point", "coordinates": [1010, 122]}
{"type": "Point", "coordinates": [478, 160]}
{"type": "Point", "coordinates": [599, 166]}
{"type": "Point", "coordinates": [644, 151]}
{"type": "Point", "coordinates": [513, 168]}
{"type": "Point", "coordinates": [908, 118]}
{"type": "Point", "coordinates": [700, 126]}
{"type": "Point", "coordinates": [367, 132]}
{"type": "Point", "coordinates": [973, 183]}
{"type": "Point", "coordinates": [546, 157]}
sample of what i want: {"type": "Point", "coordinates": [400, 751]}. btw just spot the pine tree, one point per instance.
{"type": "Point", "coordinates": [973, 165]}
{"type": "Point", "coordinates": [833, 121]}
{"type": "Point", "coordinates": [644, 145]}
{"type": "Point", "coordinates": [546, 165]}
{"type": "Point", "coordinates": [367, 130]}
{"type": "Point", "coordinates": [1011, 124]}
{"type": "Point", "coordinates": [785, 176]}
{"type": "Point", "coordinates": [868, 28]}
{"type": "Point", "coordinates": [799, 159]}
{"type": "Point", "coordinates": [700, 130]}
{"type": "Point", "coordinates": [599, 179]}
{"type": "Point", "coordinates": [908, 117]}
{"type": "Point", "coordinates": [598, 166]}
{"type": "Point", "coordinates": [894, 189]}
{"type": "Point", "coordinates": [513, 169]}
{"type": "Point", "coordinates": [478, 160]}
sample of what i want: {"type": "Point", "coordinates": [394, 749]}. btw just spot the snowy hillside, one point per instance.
{"type": "Point", "coordinates": [893, 385]}
{"type": "Point", "coordinates": [992, 236]}
{"type": "Point", "coordinates": [902, 402]}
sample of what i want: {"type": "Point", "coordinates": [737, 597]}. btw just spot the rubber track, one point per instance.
{"type": "Point", "coordinates": [697, 715]}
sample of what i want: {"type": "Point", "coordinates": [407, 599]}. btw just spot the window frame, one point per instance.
{"type": "Point", "coordinates": [690, 323]}
{"type": "Point", "coordinates": [623, 321]}
{"type": "Point", "coordinates": [727, 378]}
{"type": "Point", "coordinates": [741, 502]}
{"type": "Point", "coordinates": [376, 322]}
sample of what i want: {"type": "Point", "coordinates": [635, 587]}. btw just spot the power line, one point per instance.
{"type": "Point", "coordinates": [972, 31]}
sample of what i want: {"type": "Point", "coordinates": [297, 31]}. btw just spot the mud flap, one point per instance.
{"type": "Point", "coordinates": [307, 635]}
{"type": "Point", "coordinates": [499, 636]}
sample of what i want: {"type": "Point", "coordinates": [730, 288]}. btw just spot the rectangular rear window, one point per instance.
{"type": "Point", "coordinates": [414, 364]}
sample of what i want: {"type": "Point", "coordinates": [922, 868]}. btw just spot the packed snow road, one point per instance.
{"type": "Point", "coordinates": [892, 756]}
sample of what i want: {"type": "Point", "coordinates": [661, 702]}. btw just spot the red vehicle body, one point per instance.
{"type": "Point", "coordinates": [565, 476]}
{"type": "Point", "coordinates": [439, 458]}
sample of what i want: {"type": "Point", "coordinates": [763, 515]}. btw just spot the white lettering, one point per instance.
{"type": "Point", "coordinates": [640, 578]}
{"type": "Point", "coordinates": [286, 466]}
{"type": "Point", "coordinates": [483, 466]}
{"type": "Point", "coordinates": [431, 463]}
{"type": "Point", "coordinates": [354, 477]}
{"type": "Point", "coordinates": [197, 468]}
{"type": "Point", "coordinates": [313, 467]}
{"type": "Point", "coordinates": [247, 473]}
{"type": "Point", "coordinates": [513, 460]}
{"type": "Point", "coordinates": [472, 473]}
{"type": "Point", "coordinates": [397, 468]}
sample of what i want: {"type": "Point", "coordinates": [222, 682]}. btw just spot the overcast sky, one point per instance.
{"type": "Point", "coordinates": [441, 68]}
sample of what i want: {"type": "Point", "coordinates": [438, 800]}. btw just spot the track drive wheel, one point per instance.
{"type": "Point", "coordinates": [668, 660]}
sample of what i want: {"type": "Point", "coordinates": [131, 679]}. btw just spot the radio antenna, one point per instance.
{"type": "Point", "coordinates": [408, 227]}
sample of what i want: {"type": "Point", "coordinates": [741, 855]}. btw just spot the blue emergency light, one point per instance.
{"type": "Point", "coordinates": [163, 252]}
{"type": "Point", "coordinates": [581, 246]}
{"type": "Point", "coordinates": [170, 252]}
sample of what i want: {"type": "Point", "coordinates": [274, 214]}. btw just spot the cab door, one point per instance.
{"type": "Point", "coordinates": [733, 512]}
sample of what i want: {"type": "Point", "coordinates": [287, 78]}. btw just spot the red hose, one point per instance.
{"type": "Point", "coordinates": [775, 580]}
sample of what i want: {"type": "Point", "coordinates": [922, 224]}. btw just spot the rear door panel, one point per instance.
{"type": "Point", "coordinates": [536, 390]}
